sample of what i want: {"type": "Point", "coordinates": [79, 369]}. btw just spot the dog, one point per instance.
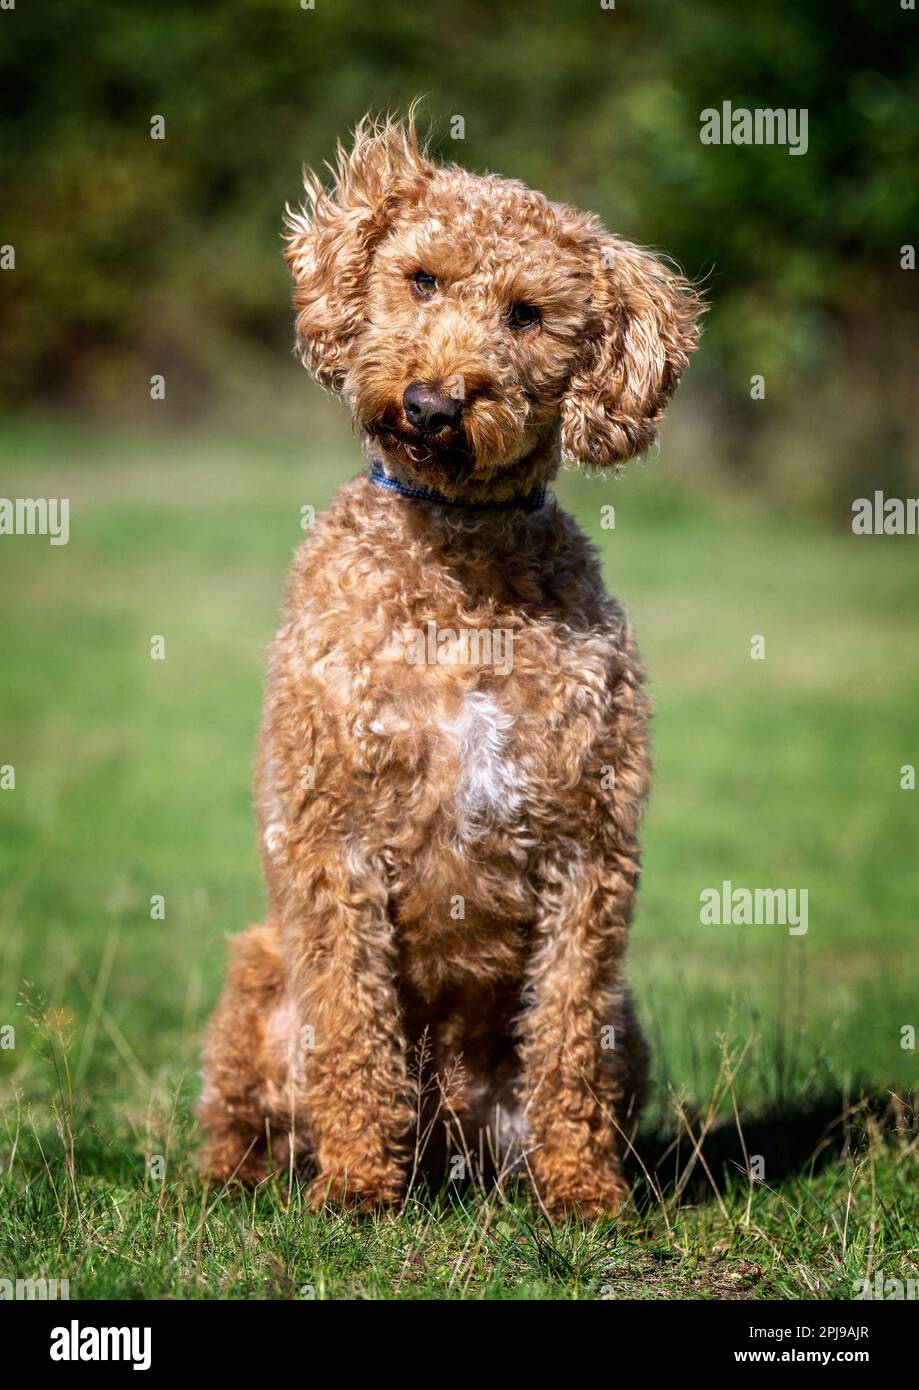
{"type": "Point", "coordinates": [449, 839]}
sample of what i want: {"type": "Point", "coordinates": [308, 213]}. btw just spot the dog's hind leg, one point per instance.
{"type": "Point", "coordinates": [629, 1062]}
{"type": "Point", "coordinates": [253, 1061]}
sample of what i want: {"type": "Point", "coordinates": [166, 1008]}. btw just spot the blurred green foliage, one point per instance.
{"type": "Point", "coordinates": [135, 255]}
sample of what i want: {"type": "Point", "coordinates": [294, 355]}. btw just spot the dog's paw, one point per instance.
{"type": "Point", "coordinates": [353, 1193]}
{"type": "Point", "coordinates": [228, 1161]}
{"type": "Point", "coordinates": [584, 1204]}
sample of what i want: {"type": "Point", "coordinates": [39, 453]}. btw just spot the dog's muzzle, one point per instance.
{"type": "Point", "coordinates": [428, 409]}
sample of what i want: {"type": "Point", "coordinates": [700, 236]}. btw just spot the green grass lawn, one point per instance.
{"type": "Point", "coordinates": [132, 780]}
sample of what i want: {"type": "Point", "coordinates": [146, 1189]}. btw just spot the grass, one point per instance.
{"type": "Point", "coordinates": [132, 781]}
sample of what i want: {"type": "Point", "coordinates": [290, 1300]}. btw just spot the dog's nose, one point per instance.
{"type": "Point", "coordinates": [428, 409]}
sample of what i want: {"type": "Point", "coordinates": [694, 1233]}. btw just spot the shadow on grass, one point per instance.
{"type": "Point", "coordinates": [793, 1139]}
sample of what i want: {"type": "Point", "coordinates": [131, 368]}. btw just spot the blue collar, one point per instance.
{"type": "Point", "coordinates": [527, 501]}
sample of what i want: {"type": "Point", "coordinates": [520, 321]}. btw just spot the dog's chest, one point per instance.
{"type": "Point", "coordinates": [451, 746]}
{"type": "Point", "coordinates": [488, 777]}
{"type": "Point", "coordinates": [472, 748]}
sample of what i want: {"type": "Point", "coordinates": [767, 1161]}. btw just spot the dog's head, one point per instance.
{"type": "Point", "coordinates": [472, 324]}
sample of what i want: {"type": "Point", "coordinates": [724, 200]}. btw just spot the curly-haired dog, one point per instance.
{"type": "Point", "coordinates": [454, 752]}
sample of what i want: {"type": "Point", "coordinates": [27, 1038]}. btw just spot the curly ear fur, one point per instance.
{"type": "Point", "coordinates": [646, 329]}
{"type": "Point", "coordinates": [331, 238]}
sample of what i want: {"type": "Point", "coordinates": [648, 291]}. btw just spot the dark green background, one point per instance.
{"type": "Point", "coordinates": [137, 256]}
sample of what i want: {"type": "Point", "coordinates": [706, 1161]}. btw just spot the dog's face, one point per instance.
{"type": "Point", "coordinates": [472, 324]}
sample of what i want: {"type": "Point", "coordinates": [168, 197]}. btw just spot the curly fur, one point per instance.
{"type": "Point", "coordinates": [450, 850]}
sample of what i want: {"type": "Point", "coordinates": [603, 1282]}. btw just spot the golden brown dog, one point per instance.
{"type": "Point", "coordinates": [454, 754]}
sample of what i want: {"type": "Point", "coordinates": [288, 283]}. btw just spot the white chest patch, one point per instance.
{"type": "Point", "coordinates": [488, 790]}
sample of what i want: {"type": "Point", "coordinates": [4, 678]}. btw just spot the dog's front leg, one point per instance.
{"type": "Point", "coordinates": [574, 1038]}
{"type": "Point", "coordinates": [341, 960]}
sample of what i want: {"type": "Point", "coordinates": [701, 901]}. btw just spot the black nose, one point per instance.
{"type": "Point", "coordinates": [429, 410]}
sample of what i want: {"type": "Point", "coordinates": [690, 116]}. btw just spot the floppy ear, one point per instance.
{"type": "Point", "coordinates": [332, 237]}
{"type": "Point", "coordinates": [645, 330]}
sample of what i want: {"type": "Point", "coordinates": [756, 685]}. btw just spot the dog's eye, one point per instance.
{"type": "Point", "coordinates": [424, 284]}
{"type": "Point", "coordinates": [522, 315]}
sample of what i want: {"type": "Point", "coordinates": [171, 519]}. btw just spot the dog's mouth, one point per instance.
{"type": "Point", "coordinates": [446, 449]}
